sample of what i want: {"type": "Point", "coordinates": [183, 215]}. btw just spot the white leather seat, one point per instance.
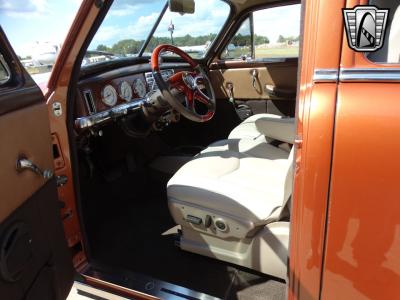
{"type": "Point", "coordinates": [257, 148]}
{"type": "Point", "coordinates": [242, 178]}
{"type": "Point", "coordinates": [229, 199]}
{"type": "Point", "coordinates": [248, 129]}
{"type": "Point", "coordinates": [252, 137]}
{"type": "Point", "coordinates": [232, 183]}
{"type": "Point", "coordinates": [225, 196]}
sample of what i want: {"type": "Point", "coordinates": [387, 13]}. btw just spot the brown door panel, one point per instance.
{"type": "Point", "coordinates": [25, 133]}
{"type": "Point", "coordinates": [281, 77]}
{"type": "Point", "coordinates": [35, 262]}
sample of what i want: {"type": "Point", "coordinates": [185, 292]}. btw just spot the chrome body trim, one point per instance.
{"type": "Point", "coordinates": [109, 114]}
{"type": "Point", "coordinates": [95, 292]}
{"type": "Point", "coordinates": [326, 75]}
{"type": "Point", "coordinates": [148, 285]}
{"type": "Point", "coordinates": [370, 75]}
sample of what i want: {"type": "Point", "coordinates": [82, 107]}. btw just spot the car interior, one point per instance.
{"type": "Point", "coordinates": [184, 165]}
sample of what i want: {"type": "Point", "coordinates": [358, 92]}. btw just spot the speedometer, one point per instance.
{"type": "Point", "coordinates": [125, 91]}
{"type": "Point", "coordinates": [139, 87]}
{"type": "Point", "coordinates": [109, 95]}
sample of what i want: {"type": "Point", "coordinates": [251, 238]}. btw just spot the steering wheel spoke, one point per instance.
{"type": "Point", "coordinates": [201, 97]}
{"type": "Point", "coordinates": [189, 101]}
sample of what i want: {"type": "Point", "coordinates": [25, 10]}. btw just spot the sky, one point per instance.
{"type": "Point", "coordinates": [28, 21]}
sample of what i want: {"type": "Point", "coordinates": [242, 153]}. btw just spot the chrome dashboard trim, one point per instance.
{"type": "Point", "coordinates": [109, 114]}
{"type": "Point", "coordinates": [151, 83]}
{"type": "Point", "coordinates": [370, 75]}
{"type": "Point", "coordinates": [326, 75]}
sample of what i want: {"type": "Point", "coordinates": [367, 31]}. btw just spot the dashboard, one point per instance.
{"type": "Point", "coordinates": [116, 93]}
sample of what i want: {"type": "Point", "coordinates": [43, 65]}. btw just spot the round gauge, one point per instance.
{"type": "Point", "coordinates": [125, 91]}
{"type": "Point", "coordinates": [109, 95]}
{"type": "Point", "coordinates": [139, 87]}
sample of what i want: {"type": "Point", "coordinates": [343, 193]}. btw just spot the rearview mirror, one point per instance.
{"type": "Point", "coordinates": [181, 6]}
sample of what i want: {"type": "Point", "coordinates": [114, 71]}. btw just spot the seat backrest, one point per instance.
{"type": "Point", "coordinates": [283, 129]}
{"type": "Point", "coordinates": [285, 209]}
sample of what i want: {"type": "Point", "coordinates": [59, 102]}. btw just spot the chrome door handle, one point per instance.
{"type": "Point", "coordinates": [229, 87]}
{"type": "Point", "coordinates": [254, 75]}
{"type": "Point", "coordinates": [25, 164]}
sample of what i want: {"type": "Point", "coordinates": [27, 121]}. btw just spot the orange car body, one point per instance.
{"type": "Point", "coordinates": [345, 232]}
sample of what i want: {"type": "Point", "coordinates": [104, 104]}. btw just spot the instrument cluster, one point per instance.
{"type": "Point", "coordinates": [104, 98]}
{"type": "Point", "coordinates": [100, 95]}
{"type": "Point", "coordinates": [125, 91]}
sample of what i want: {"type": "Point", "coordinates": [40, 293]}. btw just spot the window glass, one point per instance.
{"type": "Point", "coordinates": [129, 23]}
{"type": "Point", "coordinates": [36, 31]}
{"type": "Point", "coordinates": [276, 33]}
{"type": "Point", "coordinates": [240, 45]}
{"type": "Point", "coordinates": [390, 51]}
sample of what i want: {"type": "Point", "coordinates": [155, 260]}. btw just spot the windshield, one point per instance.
{"type": "Point", "coordinates": [128, 24]}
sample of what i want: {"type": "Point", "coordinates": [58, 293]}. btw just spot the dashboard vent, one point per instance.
{"type": "Point", "coordinates": [89, 102]}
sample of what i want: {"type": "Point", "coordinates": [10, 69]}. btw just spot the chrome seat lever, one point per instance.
{"type": "Point", "coordinates": [25, 164]}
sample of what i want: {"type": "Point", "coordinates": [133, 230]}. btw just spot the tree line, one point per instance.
{"type": "Point", "coordinates": [131, 46]}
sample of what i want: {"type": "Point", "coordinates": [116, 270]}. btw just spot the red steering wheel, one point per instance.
{"type": "Point", "coordinates": [194, 85]}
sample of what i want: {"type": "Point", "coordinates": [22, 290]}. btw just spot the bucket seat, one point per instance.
{"type": "Point", "coordinates": [230, 198]}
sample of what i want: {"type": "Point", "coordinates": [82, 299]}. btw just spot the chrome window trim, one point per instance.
{"type": "Point", "coordinates": [357, 75]}
{"type": "Point", "coordinates": [326, 75]}
{"type": "Point", "coordinates": [369, 75]}
{"type": "Point", "coordinates": [6, 68]}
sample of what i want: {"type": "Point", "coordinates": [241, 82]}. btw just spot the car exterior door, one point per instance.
{"type": "Point", "coordinates": [363, 232]}
{"type": "Point", "coordinates": [35, 262]}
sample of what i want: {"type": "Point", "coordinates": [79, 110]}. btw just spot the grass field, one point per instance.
{"type": "Point", "coordinates": [265, 52]}
{"type": "Point", "coordinates": [276, 52]}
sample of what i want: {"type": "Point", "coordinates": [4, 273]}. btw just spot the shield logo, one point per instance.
{"type": "Point", "coordinates": [365, 27]}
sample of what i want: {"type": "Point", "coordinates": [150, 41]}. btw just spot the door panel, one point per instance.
{"type": "Point", "coordinates": [263, 86]}
{"type": "Point", "coordinates": [34, 258]}
{"type": "Point", "coordinates": [25, 138]}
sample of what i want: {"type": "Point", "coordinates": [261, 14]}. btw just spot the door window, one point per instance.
{"type": "Point", "coordinates": [240, 45]}
{"type": "Point", "coordinates": [390, 51]}
{"type": "Point", "coordinates": [267, 33]}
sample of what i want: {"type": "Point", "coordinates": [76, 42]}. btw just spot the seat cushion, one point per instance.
{"type": "Point", "coordinates": [248, 129]}
{"type": "Point", "coordinates": [232, 183]}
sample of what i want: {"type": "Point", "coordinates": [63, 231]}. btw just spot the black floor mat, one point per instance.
{"type": "Point", "coordinates": [126, 231]}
